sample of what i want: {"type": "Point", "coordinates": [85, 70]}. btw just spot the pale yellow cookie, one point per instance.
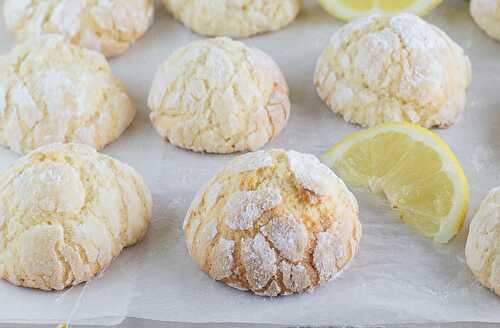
{"type": "Point", "coordinates": [486, 14]}
{"type": "Point", "coordinates": [65, 212]}
{"type": "Point", "coordinates": [482, 250]}
{"type": "Point", "coordinates": [53, 91]}
{"type": "Point", "coordinates": [219, 96]}
{"type": "Point", "coordinates": [107, 26]}
{"type": "Point", "coordinates": [274, 222]}
{"type": "Point", "coordinates": [379, 69]}
{"type": "Point", "coordinates": [234, 18]}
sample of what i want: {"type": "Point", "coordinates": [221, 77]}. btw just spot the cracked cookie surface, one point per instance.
{"type": "Point", "coordinates": [379, 69]}
{"type": "Point", "coordinates": [65, 212]}
{"type": "Point", "coordinates": [53, 91]}
{"type": "Point", "coordinates": [107, 26]}
{"type": "Point", "coordinates": [273, 222]}
{"type": "Point", "coordinates": [482, 250]}
{"type": "Point", "coordinates": [234, 18]}
{"type": "Point", "coordinates": [219, 96]}
{"type": "Point", "coordinates": [486, 14]}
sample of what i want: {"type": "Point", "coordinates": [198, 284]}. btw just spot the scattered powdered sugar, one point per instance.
{"type": "Point", "coordinates": [295, 276]}
{"type": "Point", "coordinates": [259, 260]}
{"type": "Point", "coordinates": [288, 235]}
{"type": "Point", "coordinates": [222, 259]}
{"type": "Point", "coordinates": [482, 159]}
{"type": "Point", "coordinates": [251, 161]}
{"type": "Point", "coordinates": [246, 207]}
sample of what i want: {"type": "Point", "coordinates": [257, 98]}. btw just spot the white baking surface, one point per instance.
{"type": "Point", "coordinates": [398, 277]}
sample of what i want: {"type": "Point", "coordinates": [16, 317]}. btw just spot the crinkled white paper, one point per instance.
{"type": "Point", "coordinates": [398, 276]}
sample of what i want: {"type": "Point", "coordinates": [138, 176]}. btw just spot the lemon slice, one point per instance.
{"type": "Point", "coordinates": [348, 10]}
{"type": "Point", "coordinates": [414, 168]}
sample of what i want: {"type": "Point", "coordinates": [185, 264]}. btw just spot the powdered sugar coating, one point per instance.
{"type": "Point", "coordinates": [486, 14]}
{"type": "Point", "coordinates": [206, 234]}
{"type": "Point", "coordinates": [259, 260]}
{"type": "Point", "coordinates": [53, 91]}
{"type": "Point", "coordinates": [400, 68]}
{"type": "Point", "coordinates": [482, 250]}
{"type": "Point", "coordinates": [313, 176]}
{"type": "Point", "coordinates": [219, 96]}
{"type": "Point", "coordinates": [272, 290]}
{"type": "Point", "coordinates": [222, 259]}
{"type": "Point", "coordinates": [234, 18]}
{"type": "Point", "coordinates": [245, 207]}
{"type": "Point", "coordinates": [288, 235]}
{"type": "Point", "coordinates": [295, 276]}
{"type": "Point", "coordinates": [107, 26]}
{"type": "Point", "coordinates": [269, 233]}
{"type": "Point", "coordinates": [324, 262]}
{"type": "Point", "coordinates": [251, 161]}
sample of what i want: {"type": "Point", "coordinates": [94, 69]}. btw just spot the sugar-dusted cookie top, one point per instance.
{"type": "Point", "coordinates": [274, 222]}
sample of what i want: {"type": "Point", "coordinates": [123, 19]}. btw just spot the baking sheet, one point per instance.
{"type": "Point", "coordinates": [397, 277]}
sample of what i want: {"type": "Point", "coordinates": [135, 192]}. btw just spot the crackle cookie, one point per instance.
{"type": "Point", "coordinates": [219, 96]}
{"type": "Point", "coordinates": [274, 222]}
{"type": "Point", "coordinates": [486, 14]}
{"type": "Point", "coordinates": [107, 26]}
{"type": "Point", "coordinates": [65, 212]}
{"type": "Point", "coordinates": [234, 18]}
{"type": "Point", "coordinates": [379, 69]}
{"type": "Point", "coordinates": [482, 250]}
{"type": "Point", "coordinates": [53, 91]}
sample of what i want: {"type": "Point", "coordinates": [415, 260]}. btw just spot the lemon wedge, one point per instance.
{"type": "Point", "coordinates": [348, 10]}
{"type": "Point", "coordinates": [414, 168]}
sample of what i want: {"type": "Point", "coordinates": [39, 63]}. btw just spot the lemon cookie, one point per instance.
{"type": "Point", "coordinates": [400, 68]}
{"type": "Point", "coordinates": [107, 26]}
{"type": "Point", "coordinates": [274, 222]}
{"type": "Point", "coordinates": [486, 14]}
{"type": "Point", "coordinates": [219, 96]}
{"type": "Point", "coordinates": [53, 91]}
{"type": "Point", "coordinates": [65, 212]}
{"type": "Point", "coordinates": [482, 250]}
{"type": "Point", "coordinates": [234, 18]}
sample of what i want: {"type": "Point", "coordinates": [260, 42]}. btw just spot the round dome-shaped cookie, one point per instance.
{"type": "Point", "coordinates": [65, 212]}
{"type": "Point", "coordinates": [380, 68]}
{"type": "Point", "coordinates": [53, 91]}
{"type": "Point", "coordinates": [234, 18]}
{"type": "Point", "coordinates": [486, 14]}
{"type": "Point", "coordinates": [219, 96]}
{"type": "Point", "coordinates": [482, 250]}
{"type": "Point", "coordinates": [274, 222]}
{"type": "Point", "coordinates": [105, 26]}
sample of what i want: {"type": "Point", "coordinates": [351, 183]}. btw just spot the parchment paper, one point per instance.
{"type": "Point", "coordinates": [398, 276]}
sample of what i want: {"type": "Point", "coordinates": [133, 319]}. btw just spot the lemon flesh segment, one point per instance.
{"type": "Point", "coordinates": [348, 10]}
{"type": "Point", "coordinates": [413, 168]}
